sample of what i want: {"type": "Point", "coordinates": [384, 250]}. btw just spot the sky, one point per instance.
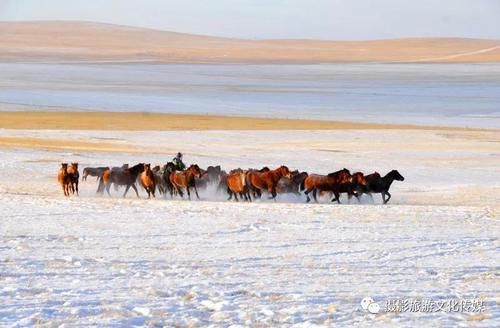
{"type": "Point", "coordinates": [271, 19]}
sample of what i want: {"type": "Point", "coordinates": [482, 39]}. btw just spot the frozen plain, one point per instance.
{"type": "Point", "coordinates": [113, 262]}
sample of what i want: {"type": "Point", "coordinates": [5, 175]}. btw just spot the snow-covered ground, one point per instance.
{"type": "Point", "coordinates": [111, 261]}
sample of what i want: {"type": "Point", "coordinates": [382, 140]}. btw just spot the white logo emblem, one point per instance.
{"type": "Point", "coordinates": [368, 304]}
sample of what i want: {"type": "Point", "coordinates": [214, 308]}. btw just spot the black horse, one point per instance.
{"type": "Point", "coordinates": [380, 185]}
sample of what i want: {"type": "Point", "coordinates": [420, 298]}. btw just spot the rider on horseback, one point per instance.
{"type": "Point", "coordinates": [178, 162]}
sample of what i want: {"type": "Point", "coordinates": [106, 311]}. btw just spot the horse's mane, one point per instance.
{"type": "Point", "coordinates": [334, 174]}
{"type": "Point", "coordinates": [391, 173]}
{"type": "Point", "coordinates": [135, 169]}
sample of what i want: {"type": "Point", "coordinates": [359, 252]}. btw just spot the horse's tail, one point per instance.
{"type": "Point", "coordinates": [100, 187]}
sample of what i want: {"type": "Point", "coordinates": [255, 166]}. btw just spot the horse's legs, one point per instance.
{"type": "Point", "coordinates": [236, 196]}
{"type": "Point", "coordinates": [371, 197]}
{"type": "Point", "coordinates": [126, 190]}
{"type": "Point", "coordinates": [64, 189]}
{"type": "Point", "coordinates": [307, 195]}
{"type": "Point", "coordinates": [272, 191]}
{"type": "Point", "coordinates": [76, 184]}
{"type": "Point", "coordinates": [386, 200]}
{"type": "Point", "coordinates": [196, 192]}
{"type": "Point", "coordinates": [230, 193]}
{"type": "Point", "coordinates": [108, 186]}
{"type": "Point", "coordinates": [189, 193]}
{"type": "Point", "coordinates": [135, 189]}
{"type": "Point", "coordinates": [314, 195]}
{"type": "Point", "coordinates": [336, 197]}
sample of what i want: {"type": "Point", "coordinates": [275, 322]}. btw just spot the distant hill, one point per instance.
{"type": "Point", "coordinates": [84, 41]}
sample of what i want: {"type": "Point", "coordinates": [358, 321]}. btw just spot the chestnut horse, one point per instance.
{"type": "Point", "coordinates": [93, 172]}
{"type": "Point", "coordinates": [377, 184]}
{"type": "Point", "coordinates": [63, 178]}
{"type": "Point", "coordinates": [331, 182]}
{"type": "Point", "coordinates": [237, 184]}
{"type": "Point", "coordinates": [256, 192]}
{"type": "Point", "coordinates": [267, 181]}
{"type": "Point", "coordinates": [354, 188]}
{"type": "Point", "coordinates": [185, 179]}
{"type": "Point", "coordinates": [73, 176]}
{"type": "Point", "coordinates": [121, 177]}
{"type": "Point", "coordinates": [147, 179]}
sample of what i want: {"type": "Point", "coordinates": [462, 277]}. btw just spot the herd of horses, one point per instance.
{"type": "Point", "coordinates": [246, 184]}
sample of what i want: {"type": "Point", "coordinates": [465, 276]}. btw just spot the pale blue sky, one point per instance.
{"type": "Point", "coordinates": [320, 19]}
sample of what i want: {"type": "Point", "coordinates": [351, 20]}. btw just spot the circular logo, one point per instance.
{"type": "Point", "coordinates": [368, 304]}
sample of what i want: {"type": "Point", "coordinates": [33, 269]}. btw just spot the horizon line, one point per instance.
{"type": "Point", "coordinates": [247, 39]}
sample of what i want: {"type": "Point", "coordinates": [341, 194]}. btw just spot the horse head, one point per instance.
{"type": "Point", "coordinates": [264, 169]}
{"type": "Point", "coordinates": [136, 168]}
{"type": "Point", "coordinates": [195, 170]}
{"type": "Point", "coordinates": [284, 171]}
{"type": "Point", "coordinates": [64, 165]}
{"type": "Point", "coordinates": [359, 178]}
{"type": "Point", "coordinates": [396, 175]}
{"type": "Point", "coordinates": [238, 170]}
{"type": "Point", "coordinates": [170, 167]}
{"type": "Point", "coordinates": [75, 165]}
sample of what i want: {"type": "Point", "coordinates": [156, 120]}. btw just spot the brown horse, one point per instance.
{"type": "Point", "coordinates": [237, 184]}
{"type": "Point", "coordinates": [354, 188]}
{"type": "Point", "coordinates": [147, 179]}
{"type": "Point", "coordinates": [105, 178]}
{"type": "Point", "coordinates": [73, 176]}
{"type": "Point", "coordinates": [185, 179]}
{"type": "Point", "coordinates": [292, 184]}
{"type": "Point", "coordinates": [267, 181]}
{"type": "Point", "coordinates": [256, 192]}
{"type": "Point", "coordinates": [121, 177]}
{"type": "Point", "coordinates": [63, 178]}
{"type": "Point", "coordinates": [331, 182]}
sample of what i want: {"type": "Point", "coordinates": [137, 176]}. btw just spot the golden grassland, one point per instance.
{"type": "Point", "coordinates": [137, 121]}
{"type": "Point", "coordinates": [119, 121]}
{"type": "Point", "coordinates": [36, 41]}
